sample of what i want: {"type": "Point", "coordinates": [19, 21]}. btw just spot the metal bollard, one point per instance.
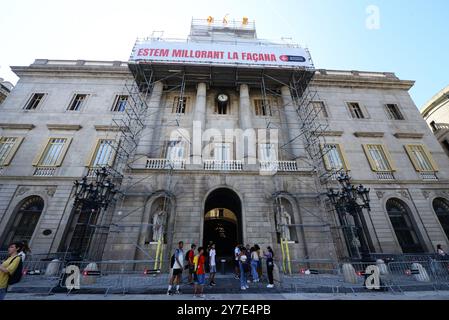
{"type": "Point", "coordinates": [223, 262]}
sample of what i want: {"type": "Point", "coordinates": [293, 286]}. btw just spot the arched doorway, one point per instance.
{"type": "Point", "coordinates": [441, 207]}
{"type": "Point", "coordinates": [223, 221]}
{"type": "Point", "coordinates": [404, 228]}
{"type": "Point", "coordinates": [24, 221]}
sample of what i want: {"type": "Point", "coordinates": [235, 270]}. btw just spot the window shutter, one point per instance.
{"type": "Point", "coordinates": [93, 153]}
{"type": "Point", "coordinates": [40, 153]}
{"type": "Point", "coordinates": [163, 154]}
{"type": "Point", "coordinates": [430, 157]}
{"type": "Point", "coordinates": [370, 160]}
{"type": "Point", "coordinates": [341, 149]}
{"type": "Point", "coordinates": [64, 152]}
{"type": "Point", "coordinates": [408, 149]}
{"type": "Point", "coordinates": [113, 153]}
{"type": "Point", "coordinates": [389, 158]}
{"type": "Point", "coordinates": [13, 151]}
{"type": "Point", "coordinates": [325, 158]}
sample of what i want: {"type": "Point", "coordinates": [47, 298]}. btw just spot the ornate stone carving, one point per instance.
{"type": "Point", "coordinates": [404, 194]}
{"type": "Point", "coordinates": [51, 191]}
{"type": "Point", "coordinates": [22, 190]}
{"type": "Point", "coordinates": [426, 194]}
{"type": "Point", "coordinates": [380, 194]}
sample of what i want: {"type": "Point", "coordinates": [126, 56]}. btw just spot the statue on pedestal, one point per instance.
{"type": "Point", "coordinates": [158, 224]}
{"type": "Point", "coordinates": [284, 222]}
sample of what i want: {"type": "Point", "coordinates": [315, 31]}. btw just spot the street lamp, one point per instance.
{"type": "Point", "coordinates": [94, 197]}
{"type": "Point", "coordinates": [349, 203]}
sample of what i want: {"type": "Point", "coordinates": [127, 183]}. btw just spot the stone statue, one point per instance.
{"type": "Point", "coordinates": [285, 220]}
{"type": "Point", "coordinates": [158, 225]}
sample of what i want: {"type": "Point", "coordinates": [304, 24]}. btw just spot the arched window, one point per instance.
{"type": "Point", "coordinates": [441, 207]}
{"type": "Point", "coordinates": [401, 220]}
{"type": "Point", "coordinates": [25, 220]}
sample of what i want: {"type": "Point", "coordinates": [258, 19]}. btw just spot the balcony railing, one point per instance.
{"type": "Point", "coordinates": [223, 165]}
{"type": "Point", "coordinates": [385, 175]}
{"type": "Point", "coordinates": [44, 171]}
{"type": "Point", "coordinates": [163, 164]}
{"type": "Point", "coordinates": [283, 166]}
{"type": "Point", "coordinates": [429, 176]}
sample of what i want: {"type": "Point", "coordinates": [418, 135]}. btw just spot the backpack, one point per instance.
{"type": "Point", "coordinates": [186, 258]}
{"type": "Point", "coordinates": [172, 261]}
{"type": "Point", "coordinates": [17, 275]}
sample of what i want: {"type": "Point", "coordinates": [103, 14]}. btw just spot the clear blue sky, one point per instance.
{"type": "Point", "coordinates": [412, 39]}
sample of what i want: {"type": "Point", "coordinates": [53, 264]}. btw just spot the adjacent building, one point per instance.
{"type": "Point", "coordinates": [143, 120]}
{"type": "Point", "coordinates": [5, 89]}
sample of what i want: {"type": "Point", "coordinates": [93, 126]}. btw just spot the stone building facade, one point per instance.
{"type": "Point", "coordinates": [58, 120]}
{"type": "Point", "coordinates": [5, 89]}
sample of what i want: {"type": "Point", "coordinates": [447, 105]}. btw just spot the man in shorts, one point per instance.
{"type": "Point", "coordinates": [177, 267]}
{"type": "Point", "coordinates": [200, 272]}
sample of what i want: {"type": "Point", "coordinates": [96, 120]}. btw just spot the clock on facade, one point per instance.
{"type": "Point", "coordinates": [222, 97]}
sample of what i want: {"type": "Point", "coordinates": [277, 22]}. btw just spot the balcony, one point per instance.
{"type": "Point", "coordinates": [428, 176]}
{"type": "Point", "coordinates": [387, 175]}
{"type": "Point", "coordinates": [282, 166]}
{"type": "Point", "coordinates": [223, 165]}
{"type": "Point", "coordinates": [164, 164]}
{"type": "Point", "coordinates": [44, 171]}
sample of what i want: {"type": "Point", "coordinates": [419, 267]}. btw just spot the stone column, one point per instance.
{"type": "Point", "coordinates": [246, 124]}
{"type": "Point", "coordinates": [144, 147]}
{"type": "Point", "coordinates": [199, 122]}
{"type": "Point", "coordinates": [292, 125]}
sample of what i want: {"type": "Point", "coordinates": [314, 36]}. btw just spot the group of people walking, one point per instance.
{"type": "Point", "coordinates": [248, 264]}
{"type": "Point", "coordinates": [202, 260]}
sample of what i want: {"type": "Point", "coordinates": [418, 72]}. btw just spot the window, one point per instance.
{"type": "Point", "coordinates": [379, 158]}
{"type": "Point", "coordinates": [34, 101]}
{"type": "Point", "coordinates": [222, 151]}
{"type": "Point", "coordinates": [441, 207]}
{"type": "Point", "coordinates": [400, 218]}
{"type": "Point", "coordinates": [356, 110]}
{"type": "Point", "coordinates": [53, 153]}
{"type": "Point", "coordinates": [77, 102]}
{"type": "Point", "coordinates": [268, 152]}
{"type": "Point", "coordinates": [179, 105]}
{"type": "Point", "coordinates": [320, 109]}
{"type": "Point", "coordinates": [262, 107]}
{"type": "Point", "coordinates": [25, 220]}
{"type": "Point", "coordinates": [421, 158]}
{"type": "Point", "coordinates": [446, 145]}
{"type": "Point", "coordinates": [8, 148]}
{"type": "Point", "coordinates": [334, 158]}
{"type": "Point", "coordinates": [393, 112]}
{"type": "Point", "coordinates": [120, 103]}
{"type": "Point", "coordinates": [175, 150]}
{"type": "Point", "coordinates": [103, 154]}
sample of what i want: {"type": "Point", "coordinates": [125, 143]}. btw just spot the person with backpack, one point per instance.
{"type": "Point", "coordinates": [176, 263]}
{"type": "Point", "coordinates": [200, 273]}
{"type": "Point", "coordinates": [10, 269]}
{"type": "Point", "coordinates": [190, 255]}
{"type": "Point", "coordinates": [244, 268]}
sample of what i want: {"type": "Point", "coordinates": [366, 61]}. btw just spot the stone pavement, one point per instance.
{"type": "Point", "coordinates": [426, 295]}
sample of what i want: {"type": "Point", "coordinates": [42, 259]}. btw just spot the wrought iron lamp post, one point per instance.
{"type": "Point", "coordinates": [349, 202]}
{"type": "Point", "coordinates": [94, 196]}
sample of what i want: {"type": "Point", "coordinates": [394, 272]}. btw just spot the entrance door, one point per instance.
{"type": "Point", "coordinates": [223, 223]}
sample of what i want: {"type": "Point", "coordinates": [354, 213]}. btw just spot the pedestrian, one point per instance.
{"type": "Point", "coordinates": [254, 264]}
{"type": "Point", "coordinates": [236, 260]}
{"type": "Point", "coordinates": [269, 255]}
{"type": "Point", "coordinates": [9, 267]}
{"type": "Point", "coordinates": [200, 274]}
{"type": "Point", "coordinates": [177, 266]}
{"type": "Point", "coordinates": [24, 250]}
{"type": "Point", "coordinates": [441, 254]}
{"type": "Point", "coordinates": [190, 264]}
{"type": "Point", "coordinates": [212, 265]}
{"type": "Point", "coordinates": [244, 268]}
{"type": "Point", "coordinates": [259, 265]}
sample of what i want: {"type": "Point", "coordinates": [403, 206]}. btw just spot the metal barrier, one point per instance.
{"type": "Point", "coordinates": [40, 274]}
{"type": "Point", "coordinates": [116, 275]}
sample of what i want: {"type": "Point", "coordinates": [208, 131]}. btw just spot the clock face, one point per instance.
{"type": "Point", "coordinates": [222, 97]}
